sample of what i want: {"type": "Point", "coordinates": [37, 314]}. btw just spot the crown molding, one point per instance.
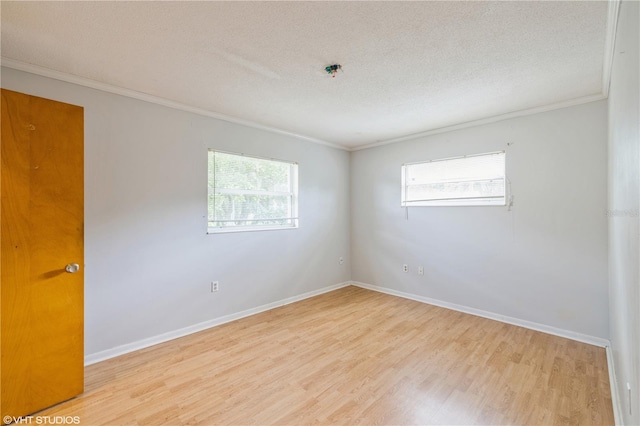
{"type": "Point", "coordinates": [607, 64]}
{"type": "Point", "coordinates": [488, 120]}
{"type": "Point", "coordinates": [610, 44]}
{"type": "Point", "coordinates": [611, 27]}
{"type": "Point", "coordinates": [105, 87]}
{"type": "Point", "coordinates": [81, 81]}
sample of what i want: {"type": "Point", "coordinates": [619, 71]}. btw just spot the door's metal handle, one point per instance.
{"type": "Point", "coordinates": [72, 268]}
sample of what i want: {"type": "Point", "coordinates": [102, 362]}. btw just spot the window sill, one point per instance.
{"type": "Point", "coordinates": [229, 230]}
{"type": "Point", "coordinates": [455, 203]}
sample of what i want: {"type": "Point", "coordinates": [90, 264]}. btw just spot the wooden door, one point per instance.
{"type": "Point", "coordinates": [42, 232]}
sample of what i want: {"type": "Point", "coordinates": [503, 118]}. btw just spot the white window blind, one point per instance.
{"type": "Point", "coordinates": [250, 193]}
{"type": "Point", "coordinates": [474, 180]}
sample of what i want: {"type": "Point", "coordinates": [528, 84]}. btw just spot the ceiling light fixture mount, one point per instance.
{"type": "Point", "coordinates": [333, 69]}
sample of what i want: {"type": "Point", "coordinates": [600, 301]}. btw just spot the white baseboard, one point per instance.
{"type": "Point", "coordinates": [151, 341]}
{"type": "Point", "coordinates": [613, 382]}
{"type": "Point", "coordinates": [596, 341]}
{"type": "Point", "coordinates": [161, 338]}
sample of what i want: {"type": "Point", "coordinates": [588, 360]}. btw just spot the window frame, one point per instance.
{"type": "Point", "coordinates": [293, 193]}
{"type": "Point", "coordinates": [460, 201]}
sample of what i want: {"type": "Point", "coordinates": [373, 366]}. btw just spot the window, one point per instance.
{"type": "Point", "coordinates": [250, 193]}
{"type": "Point", "coordinates": [473, 180]}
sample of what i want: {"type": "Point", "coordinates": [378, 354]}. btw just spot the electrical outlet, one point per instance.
{"type": "Point", "coordinates": [405, 268]}
{"type": "Point", "coordinates": [341, 260]}
{"type": "Point", "coordinates": [420, 270]}
{"type": "Point", "coordinates": [214, 286]}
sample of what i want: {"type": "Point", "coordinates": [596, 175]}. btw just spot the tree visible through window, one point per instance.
{"type": "Point", "coordinates": [250, 193]}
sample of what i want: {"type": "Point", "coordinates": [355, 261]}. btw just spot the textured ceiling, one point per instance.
{"type": "Point", "coordinates": [408, 67]}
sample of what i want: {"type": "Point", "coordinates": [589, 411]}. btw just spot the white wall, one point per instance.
{"type": "Point", "coordinates": [149, 261]}
{"type": "Point", "coordinates": [624, 203]}
{"type": "Point", "coordinates": [545, 261]}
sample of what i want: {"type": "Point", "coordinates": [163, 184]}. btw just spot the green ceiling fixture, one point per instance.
{"type": "Point", "coordinates": [332, 69]}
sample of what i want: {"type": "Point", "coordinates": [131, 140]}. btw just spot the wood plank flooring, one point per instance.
{"type": "Point", "coordinates": [352, 356]}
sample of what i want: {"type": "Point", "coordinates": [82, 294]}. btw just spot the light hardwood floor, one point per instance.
{"type": "Point", "coordinates": [352, 356]}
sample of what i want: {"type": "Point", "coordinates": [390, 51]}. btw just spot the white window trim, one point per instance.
{"type": "Point", "coordinates": [252, 228]}
{"type": "Point", "coordinates": [454, 202]}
